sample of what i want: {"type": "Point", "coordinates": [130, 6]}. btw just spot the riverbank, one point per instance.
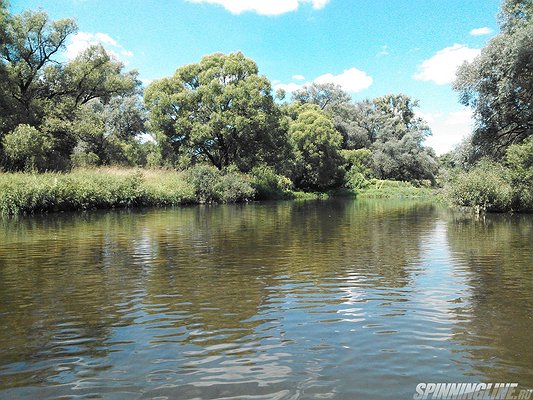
{"type": "Point", "coordinates": [109, 188]}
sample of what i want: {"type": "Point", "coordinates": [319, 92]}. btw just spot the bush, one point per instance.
{"type": "Point", "coordinates": [234, 187]}
{"type": "Point", "coordinates": [268, 185]}
{"type": "Point", "coordinates": [203, 179]}
{"type": "Point", "coordinates": [91, 189]}
{"type": "Point", "coordinates": [484, 187]}
{"type": "Point", "coordinates": [519, 160]}
{"type": "Point", "coordinates": [27, 148]}
{"type": "Point", "coordinates": [211, 185]}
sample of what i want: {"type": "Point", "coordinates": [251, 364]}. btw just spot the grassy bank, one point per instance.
{"type": "Point", "coordinates": [107, 188]}
{"type": "Point", "coordinates": [383, 189]}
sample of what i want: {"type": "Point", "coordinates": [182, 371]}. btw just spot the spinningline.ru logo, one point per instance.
{"type": "Point", "coordinates": [474, 391]}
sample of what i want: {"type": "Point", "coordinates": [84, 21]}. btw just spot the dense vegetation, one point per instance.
{"type": "Point", "coordinates": [217, 125]}
{"type": "Point", "coordinates": [493, 169]}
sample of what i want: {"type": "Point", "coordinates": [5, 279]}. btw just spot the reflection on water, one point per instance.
{"type": "Point", "coordinates": [331, 299]}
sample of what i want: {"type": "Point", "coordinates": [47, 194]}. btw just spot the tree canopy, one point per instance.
{"type": "Point", "coordinates": [42, 92]}
{"type": "Point", "coordinates": [219, 110]}
{"type": "Point", "coordinates": [498, 84]}
{"type": "Point", "coordinates": [316, 147]}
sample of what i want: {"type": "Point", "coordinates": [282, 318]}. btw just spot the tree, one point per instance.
{"type": "Point", "coordinates": [324, 95]}
{"type": "Point", "coordinates": [40, 91]}
{"type": "Point", "coordinates": [31, 41]}
{"type": "Point", "coordinates": [316, 146]}
{"type": "Point", "coordinates": [498, 84]}
{"type": "Point", "coordinates": [337, 103]}
{"type": "Point", "coordinates": [398, 149]}
{"type": "Point", "coordinates": [219, 110]}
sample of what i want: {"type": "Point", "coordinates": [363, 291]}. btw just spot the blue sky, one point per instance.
{"type": "Point", "coordinates": [370, 47]}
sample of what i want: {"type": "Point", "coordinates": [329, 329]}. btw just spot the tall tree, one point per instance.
{"type": "Point", "coordinates": [219, 110]}
{"type": "Point", "coordinates": [316, 146]}
{"type": "Point", "coordinates": [337, 103]}
{"type": "Point", "coordinates": [498, 84]}
{"type": "Point", "coordinates": [398, 150]}
{"type": "Point", "coordinates": [42, 92]}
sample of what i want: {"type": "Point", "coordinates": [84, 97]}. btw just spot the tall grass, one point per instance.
{"type": "Point", "coordinates": [377, 188]}
{"type": "Point", "coordinates": [85, 189]}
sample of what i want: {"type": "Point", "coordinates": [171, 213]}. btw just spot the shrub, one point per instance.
{"type": "Point", "coordinates": [27, 148]}
{"type": "Point", "coordinates": [234, 187]}
{"type": "Point", "coordinates": [210, 185]}
{"type": "Point", "coordinates": [268, 185]}
{"type": "Point", "coordinates": [484, 187]}
{"type": "Point", "coordinates": [203, 179]}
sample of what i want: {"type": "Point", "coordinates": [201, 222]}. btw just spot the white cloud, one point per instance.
{"type": "Point", "coordinates": [351, 80]}
{"type": "Point", "coordinates": [264, 7]}
{"type": "Point", "coordinates": [82, 40]}
{"type": "Point", "coordinates": [288, 87]}
{"type": "Point", "coordinates": [442, 67]}
{"type": "Point", "coordinates": [448, 129]}
{"type": "Point", "coordinates": [481, 31]}
{"type": "Point", "coordinates": [298, 77]}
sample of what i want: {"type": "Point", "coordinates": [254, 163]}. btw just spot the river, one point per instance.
{"type": "Point", "coordinates": [340, 299]}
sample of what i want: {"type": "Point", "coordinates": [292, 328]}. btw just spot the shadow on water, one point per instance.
{"type": "Point", "coordinates": [336, 298]}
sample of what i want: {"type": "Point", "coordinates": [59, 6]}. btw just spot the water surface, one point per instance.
{"type": "Point", "coordinates": [342, 299]}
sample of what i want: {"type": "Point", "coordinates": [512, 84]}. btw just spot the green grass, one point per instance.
{"type": "Point", "coordinates": [394, 189]}
{"type": "Point", "coordinates": [92, 189]}
{"type": "Point", "coordinates": [107, 188]}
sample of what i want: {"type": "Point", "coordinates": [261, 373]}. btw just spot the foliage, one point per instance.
{"type": "Point", "coordinates": [357, 164]}
{"type": "Point", "coordinates": [269, 185]}
{"type": "Point", "coordinates": [86, 189]}
{"type": "Point", "coordinates": [214, 186]}
{"type": "Point", "coordinates": [39, 90]}
{"type": "Point", "coordinates": [484, 187]}
{"type": "Point", "coordinates": [316, 146]}
{"type": "Point", "coordinates": [27, 149]}
{"type": "Point", "coordinates": [398, 152]}
{"type": "Point", "coordinates": [377, 188]}
{"type": "Point", "coordinates": [337, 103]}
{"type": "Point", "coordinates": [498, 84]}
{"type": "Point", "coordinates": [220, 111]}
{"type": "Point", "coordinates": [519, 161]}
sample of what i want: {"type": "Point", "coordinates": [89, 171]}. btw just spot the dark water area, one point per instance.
{"type": "Point", "coordinates": [340, 299]}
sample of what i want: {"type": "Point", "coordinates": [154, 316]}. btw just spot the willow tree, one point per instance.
{"type": "Point", "coordinates": [498, 84]}
{"type": "Point", "coordinates": [219, 110]}
{"type": "Point", "coordinates": [41, 91]}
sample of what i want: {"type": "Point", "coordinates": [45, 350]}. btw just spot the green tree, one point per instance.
{"type": "Point", "coordinates": [398, 150]}
{"type": "Point", "coordinates": [337, 103]}
{"type": "Point", "coordinates": [498, 84]}
{"type": "Point", "coordinates": [219, 110]}
{"type": "Point", "coordinates": [316, 146]}
{"type": "Point", "coordinates": [39, 90]}
{"type": "Point", "coordinates": [30, 44]}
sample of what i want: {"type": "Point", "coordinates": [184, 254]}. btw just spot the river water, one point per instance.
{"type": "Point", "coordinates": [341, 299]}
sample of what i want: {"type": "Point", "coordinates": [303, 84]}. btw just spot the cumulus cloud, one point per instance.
{"type": "Point", "coordinates": [288, 87]}
{"type": "Point", "coordinates": [351, 80]}
{"type": "Point", "coordinates": [298, 77]}
{"type": "Point", "coordinates": [481, 31]}
{"type": "Point", "coordinates": [83, 40]}
{"type": "Point", "coordinates": [449, 129]}
{"type": "Point", "coordinates": [442, 67]}
{"type": "Point", "coordinates": [263, 7]}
